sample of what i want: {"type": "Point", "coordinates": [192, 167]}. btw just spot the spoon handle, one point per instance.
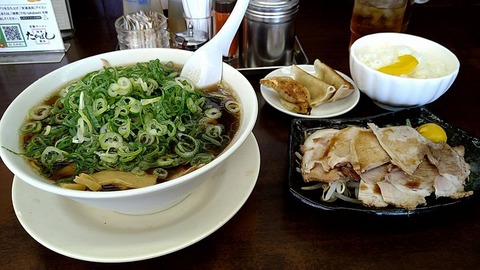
{"type": "Point", "coordinates": [224, 37]}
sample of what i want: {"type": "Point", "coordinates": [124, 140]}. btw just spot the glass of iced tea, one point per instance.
{"type": "Point", "coordinates": [373, 16]}
{"type": "Point", "coordinates": [408, 12]}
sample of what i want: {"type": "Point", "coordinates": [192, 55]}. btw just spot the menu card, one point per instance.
{"type": "Point", "coordinates": [29, 26]}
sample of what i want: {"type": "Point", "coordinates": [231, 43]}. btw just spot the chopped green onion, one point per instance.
{"type": "Point", "coordinates": [187, 147]}
{"type": "Point", "coordinates": [40, 112]}
{"type": "Point", "coordinates": [52, 155]}
{"type": "Point", "coordinates": [137, 117]}
{"type": "Point", "coordinates": [108, 157]}
{"type": "Point", "coordinates": [213, 131]}
{"type": "Point", "coordinates": [161, 173]}
{"type": "Point", "coordinates": [213, 113]}
{"type": "Point", "coordinates": [232, 106]}
{"type": "Point", "coordinates": [202, 158]}
{"type": "Point", "coordinates": [31, 127]}
{"type": "Point", "coordinates": [126, 154]}
{"type": "Point", "coordinates": [110, 140]}
{"type": "Point", "coordinates": [100, 106]}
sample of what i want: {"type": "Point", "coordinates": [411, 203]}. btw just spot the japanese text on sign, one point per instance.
{"type": "Point", "coordinates": [28, 25]}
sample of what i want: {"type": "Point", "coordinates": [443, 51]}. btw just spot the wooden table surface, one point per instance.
{"type": "Point", "coordinates": [273, 230]}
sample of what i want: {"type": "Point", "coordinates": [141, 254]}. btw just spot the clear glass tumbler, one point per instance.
{"type": "Point", "coordinates": [373, 16]}
{"type": "Point", "coordinates": [137, 35]}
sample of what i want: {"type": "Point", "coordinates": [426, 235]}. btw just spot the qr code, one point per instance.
{"type": "Point", "coordinates": [12, 33]}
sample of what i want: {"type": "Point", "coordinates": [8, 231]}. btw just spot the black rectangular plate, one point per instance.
{"type": "Point", "coordinates": [416, 116]}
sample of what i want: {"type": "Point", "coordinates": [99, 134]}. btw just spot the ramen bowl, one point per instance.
{"type": "Point", "coordinates": [436, 71]}
{"type": "Point", "coordinates": [144, 200]}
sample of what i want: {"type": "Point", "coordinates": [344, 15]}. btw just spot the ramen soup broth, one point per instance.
{"type": "Point", "coordinates": [146, 135]}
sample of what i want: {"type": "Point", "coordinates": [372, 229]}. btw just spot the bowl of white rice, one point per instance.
{"type": "Point", "coordinates": [432, 76]}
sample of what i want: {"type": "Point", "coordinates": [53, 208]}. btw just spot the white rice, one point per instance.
{"type": "Point", "coordinates": [428, 66]}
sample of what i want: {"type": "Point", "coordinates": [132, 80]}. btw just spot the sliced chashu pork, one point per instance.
{"type": "Point", "coordinates": [312, 150]}
{"type": "Point", "coordinates": [452, 168]}
{"type": "Point", "coordinates": [340, 149]}
{"type": "Point", "coordinates": [369, 192]}
{"type": "Point", "coordinates": [398, 198]}
{"type": "Point", "coordinates": [378, 157]}
{"type": "Point", "coordinates": [420, 182]}
{"type": "Point", "coordinates": [388, 184]}
{"type": "Point", "coordinates": [356, 146]}
{"type": "Point", "coordinates": [405, 146]}
{"type": "Point", "coordinates": [408, 191]}
{"type": "Point", "coordinates": [369, 152]}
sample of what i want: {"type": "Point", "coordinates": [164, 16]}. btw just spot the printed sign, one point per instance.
{"type": "Point", "coordinates": [29, 25]}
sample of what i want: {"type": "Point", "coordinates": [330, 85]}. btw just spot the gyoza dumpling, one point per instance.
{"type": "Point", "coordinates": [320, 92]}
{"type": "Point", "coordinates": [293, 95]}
{"type": "Point", "coordinates": [325, 73]}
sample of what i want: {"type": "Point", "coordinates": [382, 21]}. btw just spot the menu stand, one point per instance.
{"type": "Point", "coordinates": [29, 32]}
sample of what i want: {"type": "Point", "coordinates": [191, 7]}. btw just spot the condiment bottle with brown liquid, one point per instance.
{"type": "Point", "coordinates": [221, 12]}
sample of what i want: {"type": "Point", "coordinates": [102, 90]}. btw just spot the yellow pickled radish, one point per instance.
{"type": "Point", "coordinates": [406, 63]}
{"type": "Point", "coordinates": [433, 132]}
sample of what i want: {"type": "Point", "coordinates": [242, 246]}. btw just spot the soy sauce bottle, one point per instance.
{"type": "Point", "coordinates": [221, 12]}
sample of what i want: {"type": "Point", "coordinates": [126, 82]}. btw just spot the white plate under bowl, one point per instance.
{"type": "Point", "coordinates": [89, 234]}
{"type": "Point", "coordinates": [325, 110]}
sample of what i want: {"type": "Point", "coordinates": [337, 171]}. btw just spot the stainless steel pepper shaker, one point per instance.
{"type": "Point", "coordinates": [268, 33]}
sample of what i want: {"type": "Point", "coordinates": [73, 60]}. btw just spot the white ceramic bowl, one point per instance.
{"type": "Point", "coordinates": [395, 92]}
{"type": "Point", "coordinates": [135, 201]}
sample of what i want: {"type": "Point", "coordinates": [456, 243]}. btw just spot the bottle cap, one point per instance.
{"type": "Point", "coordinates": [224, 6]}
{"type": "Point", "coordinates": [191, 39]}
